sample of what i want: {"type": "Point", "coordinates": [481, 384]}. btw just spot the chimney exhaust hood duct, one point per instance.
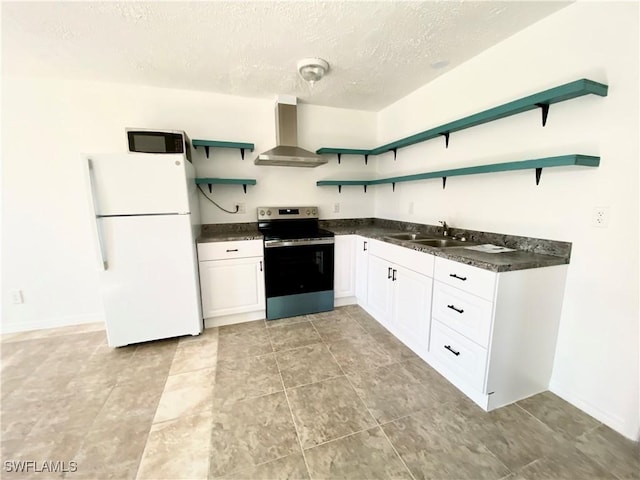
{"type": "Point", "coordinates": [287, 153]}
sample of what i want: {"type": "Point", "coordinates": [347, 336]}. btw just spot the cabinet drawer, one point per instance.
{"type": "Point", "coordinates": [228, 250]}
{"type": "Point", "coordinates": [470, 279]}
{"type": "Point", "coordinates": [460, 356]}
{"type": "Point", "coordinates": [406, 257]}
{"type": "Point", "coordinates": [463, 312]}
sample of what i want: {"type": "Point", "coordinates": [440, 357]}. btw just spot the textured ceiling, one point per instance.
{"type": "Point", "coordinates": [378, 51]}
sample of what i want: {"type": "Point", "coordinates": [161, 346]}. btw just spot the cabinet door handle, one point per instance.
{"type": "Point", "coordinates": [364, 247]}
{"type": "Point", "coordinates": [452, 307]}
{"type": "Point", "coordinates": [260, 265]}
{"type": "Point", "coordinates": [232, 250]}
{"type": "Point", "coordinates": [448, 347]}
{"type": "Point", "coordinates": [389, 272]}
{"type": "Point", "coordinates": [393, 277]}
{"type": "Point", "coordinates": [456, 276]}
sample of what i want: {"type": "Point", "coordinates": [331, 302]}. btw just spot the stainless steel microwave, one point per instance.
{"type": "Point", "coordinates": [158, 141]}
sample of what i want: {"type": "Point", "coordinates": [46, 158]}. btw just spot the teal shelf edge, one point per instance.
{"type": "Point", "coordinates": [219, 144]}
{"type": "Point", "coordinates": [540, 100]}
{"type": "Point", "coordinates": [321, 183]}
{"type": "Point", "coordinates": [343, 151]}
{"type": "Point", "coordinates": [225, 181]}
{"type": "Point", "coordinates": [538, 164]}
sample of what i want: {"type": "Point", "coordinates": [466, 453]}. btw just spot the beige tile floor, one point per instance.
{"type": "Point", "coordinates": [330, 395]}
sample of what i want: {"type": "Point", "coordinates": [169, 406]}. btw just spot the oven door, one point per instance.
{"type": "Point", "coordinates": [300, 268]}
{"type": "Point", "coordinates": [298, 277]}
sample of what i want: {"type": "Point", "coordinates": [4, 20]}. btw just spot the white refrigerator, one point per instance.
{"type": "Point", "coordinates": [145, 217]}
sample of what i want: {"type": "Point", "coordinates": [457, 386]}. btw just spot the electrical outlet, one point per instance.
{"type": "Point", "coordinates": [336, 208]}
{"type": "Point", "coordinates": [16, 297]}
{"type": "Point", "coordinates": [600, 217]}
{"type": "Point", "coordinates": [242, 208]}
{"type": "Point", "coordinates": [410, 207]}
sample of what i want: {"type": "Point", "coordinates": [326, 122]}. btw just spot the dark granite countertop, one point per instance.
{"type": "Point", "coordinates": [529, 252]}
{"type": "Point", "coordinates": [224, 232]}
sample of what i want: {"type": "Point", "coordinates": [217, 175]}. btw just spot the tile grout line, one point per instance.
{"type": "Point", "coordinates": [378, 426]}
{"type": "Point", "coordinates": [286, 396]}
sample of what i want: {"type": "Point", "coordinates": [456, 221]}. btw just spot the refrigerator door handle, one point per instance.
{"type": "Point", "coordinates": [97, 231]}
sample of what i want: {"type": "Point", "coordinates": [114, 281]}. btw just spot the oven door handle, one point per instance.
{"type": "Point", "coordinates": [298, 243]}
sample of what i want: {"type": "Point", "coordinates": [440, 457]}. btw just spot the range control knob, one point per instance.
{"type": "Point", "coordinates": [262, 213]}
{"type": "Point", "coordinates": [308, 212]}
{"type": "Point", "coordinates": [314, 212]}
{"type": "Point", "coordinates": [268, 212]}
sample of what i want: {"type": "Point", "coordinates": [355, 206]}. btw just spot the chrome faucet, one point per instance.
{"type": "Point", "coordinates": [445, 228]}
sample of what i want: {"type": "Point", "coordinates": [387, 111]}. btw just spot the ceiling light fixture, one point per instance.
{"type": "Point", "coordinates": [312, 69]}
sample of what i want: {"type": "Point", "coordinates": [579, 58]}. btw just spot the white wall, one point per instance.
{"type": "Point", "coordinates": [596, 365]}
{"type": "Point", "coordinates": [47, 124]}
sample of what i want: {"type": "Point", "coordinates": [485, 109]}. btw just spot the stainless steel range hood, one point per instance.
{"type": "Point", "coordinates": [287, 153]}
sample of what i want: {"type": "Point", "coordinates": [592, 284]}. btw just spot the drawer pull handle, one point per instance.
{"type": "Point", "coordinates": [232, 250]}
{"type": "Point", "coordinates": [456, 276]}
{"type": "Point", "coordinates": [389, 273]}
{"type": "Point", "coordinates": [260, 265]}
{"type": "Point", "coordinates": [448, 347]}
{"type": "Point", "coordinates": [393, 276]}
{"type": "Point", "coordinates": [365, 247]}
{"type": "Point", "coordinates": [452, 307]}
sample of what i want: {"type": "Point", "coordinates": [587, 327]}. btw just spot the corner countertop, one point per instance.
{"type": "Point", "coordinates": [529, 252]}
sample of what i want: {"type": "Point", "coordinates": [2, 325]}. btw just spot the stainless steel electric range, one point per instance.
{"type": "Point", "coordinates": [298, 261]}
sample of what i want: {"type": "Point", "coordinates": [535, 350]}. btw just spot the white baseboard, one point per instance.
{"type": "Point", "coordinates": [233, 319]}
{"type": "Point", "coordinates": [342, 301]}
{"type": "Point", "coordinates": [55, 322]}
{"type": "Point", "coordinates": [614, 421]}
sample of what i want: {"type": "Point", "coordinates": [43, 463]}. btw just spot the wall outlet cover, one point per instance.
{"type": "Point", "coordinates": [600, 217]}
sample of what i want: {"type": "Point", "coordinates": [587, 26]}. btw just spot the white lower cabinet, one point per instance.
{"type": "Point", "coordinates": [232, 281]}
{"type": "Point", "coordinates": [493, 335]}
{"type": "Point", "coordinates": [362, 269]}
{"type": "Point", "coordinates": [399, 292]}
{"type": "Point", "coordinates": [344, 273]}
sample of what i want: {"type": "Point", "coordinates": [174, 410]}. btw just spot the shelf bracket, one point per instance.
{"type": "Point", "coordinates": [206, 150]}
{"type": "Point", "coordinates": [339, 188]}
{"type": "Point", "coordinates": [365, 188]}
{"type": "Point", "coordinates": [545, 112]}
{"type": "Point", "coordinates": [244, 187]}
{"type": "Point", "coordinates": [209, 185]}
{"type": "Point", "coordinates": [339, 158]}
{"type": "Point", "coordinates": [242, 156]}
{"type": "Point", "coordinates": [395, 153]}
{"type": "Point", "coordinates": [444, 182]}
{"type": "Point", "coordinates": [538, 173]}
{"type": "Point", "coordinates": [366, 159]}
{"type": "Point", "coordinates": [446, 139]}
{"type": "Point", "coordinates": [393, 186]}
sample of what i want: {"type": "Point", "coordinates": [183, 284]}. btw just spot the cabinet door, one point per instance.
{"type": "Point", "coordinates": [362, 269]}
{"type": "Point", "coordinates": [412, 306]}
{"type": "Point", "coordinates": [232, 286]}
{"type": "Point", "coordinates": [344, 271]}
{"type": "Point", "coordinates": [380, 289]}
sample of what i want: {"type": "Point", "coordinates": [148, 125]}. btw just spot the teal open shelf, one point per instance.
{"type": "Point", "coordinates": [540, 100]}
{"type": "Point", "coordinates": [226, 181]}
{"type": "Point", "coordinates": [538, 164]}
{"type": "Point", "coordinates": [220, 144]}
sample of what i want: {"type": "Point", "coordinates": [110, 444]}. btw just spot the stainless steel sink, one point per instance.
{"type": "Point", "coordinates": [410, 236]}
{"type": "Point", "coordinates": [442, 242]}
